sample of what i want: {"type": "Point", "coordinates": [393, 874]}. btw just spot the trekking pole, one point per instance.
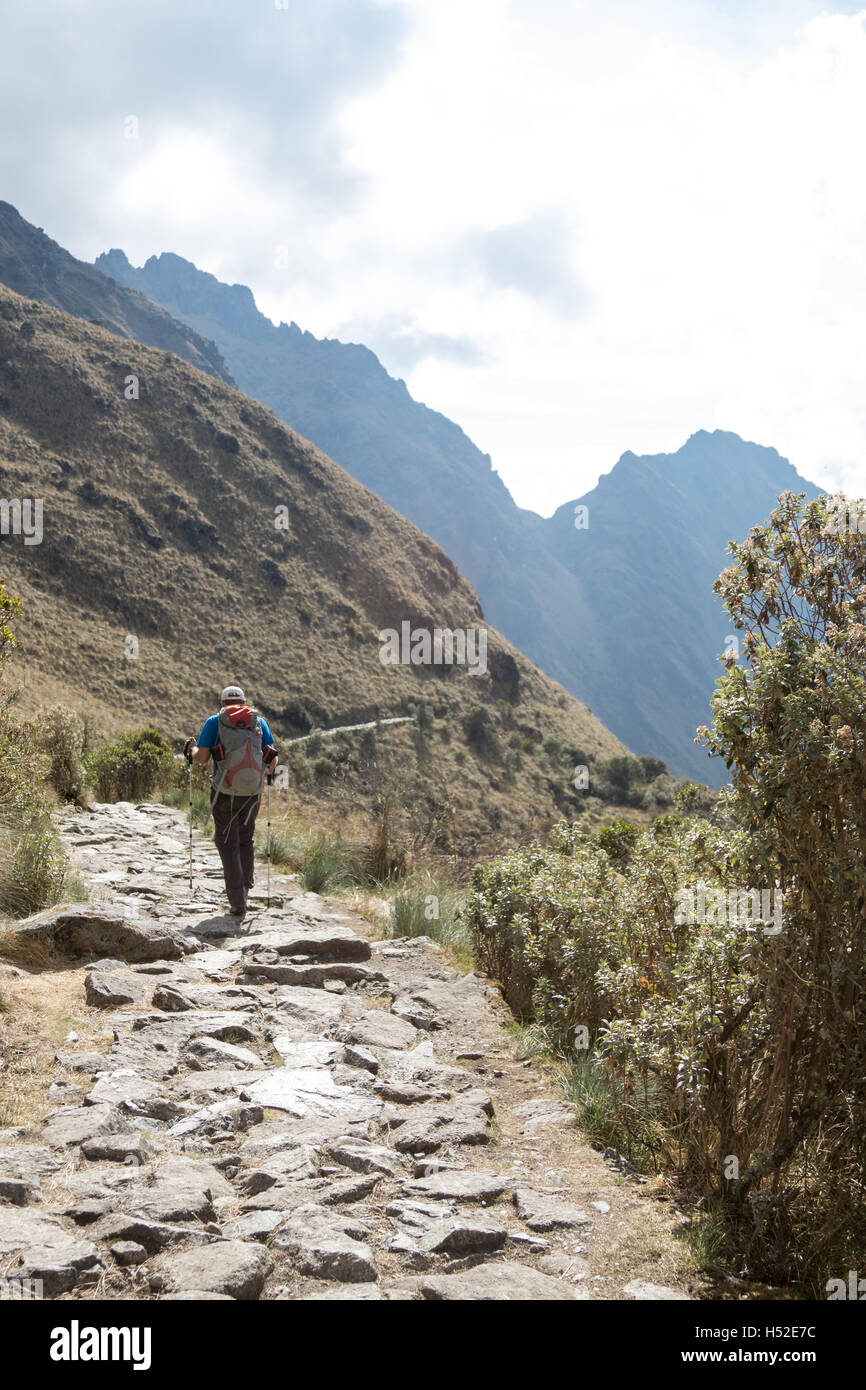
{"type": "Point", "coordinates": [189, 765]}
{"type": "Point", "coordinates": [268, 850]}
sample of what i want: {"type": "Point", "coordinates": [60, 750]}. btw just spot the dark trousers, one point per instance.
{"type": "Point", "coordinates": [234, 823]}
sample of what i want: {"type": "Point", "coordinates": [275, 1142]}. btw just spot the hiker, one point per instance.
{"type": "Point", "coordinates": [242, 747]}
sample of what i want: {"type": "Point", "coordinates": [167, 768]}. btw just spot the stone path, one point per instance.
{"type": "Point", "coordinates": [287, 1110]}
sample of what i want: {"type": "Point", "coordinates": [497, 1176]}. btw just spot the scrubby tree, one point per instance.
{"type": "Point", "coordinates": [790, 724]}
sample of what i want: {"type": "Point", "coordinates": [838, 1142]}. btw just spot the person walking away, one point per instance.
{"type": "Point", "coordinates": [242, 747]}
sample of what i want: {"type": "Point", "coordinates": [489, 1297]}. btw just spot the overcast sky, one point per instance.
{"type": "Point", "coordinates": [576, 227]}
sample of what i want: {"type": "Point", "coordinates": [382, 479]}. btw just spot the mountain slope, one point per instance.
{"type": "Point", "coordinates": [623, 615]}
{"type": "Point", "coordinates": [658, 528]}
{"type": "Point", "coordinates": [34, 265]}
{"type": "Point", "coordinates": [419, 462]}
{"type": "Point", "coordinates": [162, 574]}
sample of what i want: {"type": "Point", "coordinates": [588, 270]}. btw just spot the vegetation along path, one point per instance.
{"type": "Point", "coordinates": [286, 1109]}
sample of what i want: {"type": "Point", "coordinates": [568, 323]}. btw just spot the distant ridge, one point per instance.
{"type": "Point", "coordinates": [34, 265]}
{"type": "Point", "coordinates": [622, 613]}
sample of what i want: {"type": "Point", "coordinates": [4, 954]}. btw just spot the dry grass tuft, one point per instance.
{"type": "Point", "coordinates": [39, 1010]}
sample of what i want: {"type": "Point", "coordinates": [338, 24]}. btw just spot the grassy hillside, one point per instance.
{"type": "Point", "coordinates": [161, 575]}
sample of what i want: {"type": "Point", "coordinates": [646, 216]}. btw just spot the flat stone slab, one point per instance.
{"type": "Point", "coordinates": [379, 1029]}
{"type": "Point", "coordinates": [306, 1051]}
{"type": "Point", "coordinates": [224, 1115]}
{"type": "Point", "coordinates": [643, 1291]}
{"type": "Point", "coordinates": [324, 1245]}
{"type": "Point", "coordinates": [364, 1157]}
{"type": "Point", "coordinates": [546, 1110]}
{"type": "Point", "coordinates": [103, 990]}
{"type": "Point", "coordinates": [119, 1148]}
{"type": "Point", "coordinates": [73, 1125]}
{"type": "Point", "coordinates": [308, 976]}
{"type": "Point", "coordinates": [464, 1235]}
{"type": "Point", "coordinates": [332, 943]}
{"type": "Point", "coordinates": [152, 1236]}
{"type": "Point", "coordinates": [459, 1186]}
{"type": "Point", "coordinates": [287, 1165]}
{"type": "Point", "coordinates": [203, 1053]}
{"type": "Point", "coordinates": [498, 1281]}
{"type": "Point", "coordinates": [254, 1225]}
{"type": "Point", "coordinates": [310, 1091]}
{"type": "Point", "coordinates": [121, 1085]}
{"type": "Point", "coordinates": [427, 1128]}
{"type": "Point", "coordinates": [88, 1062]}
{"type": "Point", "coordinates": [543, 1213]}
{"type": "Point", "coordinates": [27, 1160]}
{"type": "Point", "coordinates": [45, 1250]}
{"type": "Point", "coordinates": [236, 1268]}
{"type": "Point", "coordinates": [177, 1189]}
{"type": "Point", "coordinates": [311, 1008]}
{"type": "Point", "coordinates": [181, 996]}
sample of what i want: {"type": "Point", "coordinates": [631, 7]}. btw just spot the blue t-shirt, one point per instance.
{"type": "Point", "coordinates": [210, 735]}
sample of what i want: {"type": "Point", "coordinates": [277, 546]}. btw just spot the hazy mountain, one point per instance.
{"type": "Point", "coordinates": [623, 614]}
{"type": "Point", "coordinates": [658, 528]}
{"type": "Point", "coordinates": [34, 265]}
{"type": "Point", "coordinates": [161, 573]}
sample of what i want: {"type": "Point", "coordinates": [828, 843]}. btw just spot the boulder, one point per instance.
{"type": "Point", "coordinates": [91, 931]}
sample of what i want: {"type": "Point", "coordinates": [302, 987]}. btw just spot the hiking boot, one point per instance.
{"type": "Point", "coordinates": [238, 911]}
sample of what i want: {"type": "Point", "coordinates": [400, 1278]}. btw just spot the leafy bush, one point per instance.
{"type": "Point", "coordinates": [728, 1049]}
{"type": "Point", "coordinates": [131, 769]}
{"type": "Point", "coordinates": [540, 928]}
{"type": "Point", "coordinates": [61, 736]}
{"type": "Point", "coordinates": [618, 840]}
{"type": "Point", "coordinates": [33, 870]}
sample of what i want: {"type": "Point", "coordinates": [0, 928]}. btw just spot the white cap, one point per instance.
{"type": "Point", "coordinates": [233, 695]}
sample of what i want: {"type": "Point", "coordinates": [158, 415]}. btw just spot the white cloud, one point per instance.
{"type": "Point", "coordinates": [576, 228]}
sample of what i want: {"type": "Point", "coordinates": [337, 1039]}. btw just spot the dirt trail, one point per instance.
{"type": "Point", "coordinates": [293, 1110]}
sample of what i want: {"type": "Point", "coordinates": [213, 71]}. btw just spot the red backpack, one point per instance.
{"type": "Point", "coordinates": [239, 752]}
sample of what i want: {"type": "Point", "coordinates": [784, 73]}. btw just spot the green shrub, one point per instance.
{"type": "Point", "coordinates": [539, 926]}
{"type": "Point", "coordinates": [33, 868]}
{"type": "Point", "coordinates": [61, 735]}
{"type": "Point", "coordinates": [618, 840]}
{"type": "Point", "coordinates": [131, 769]}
